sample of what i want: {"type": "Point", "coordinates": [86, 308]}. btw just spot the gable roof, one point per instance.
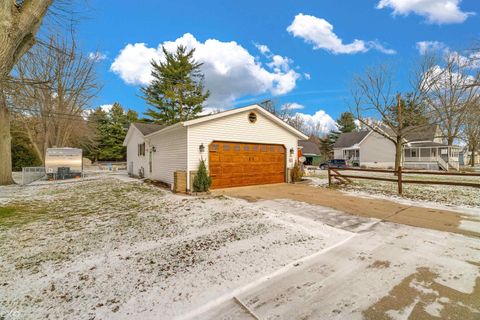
{"type": "Point", "coordinates": [309, 147]}
{"type": "Point", "coordinates": [148, 128]}
{"type": "Point", "coordinates": [422, 133]}
{"type": "Point", "coordinates": [349, 139]}
{"type": "Point", "coordinates": [413, 134]}
{"type": "Point", "coordinates": [214, 116]}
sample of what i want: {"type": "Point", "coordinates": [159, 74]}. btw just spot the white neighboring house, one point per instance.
{"type": "Point", "coordinates": [243, 146]}
{"type": "Point", "coordinates": [424, 149]}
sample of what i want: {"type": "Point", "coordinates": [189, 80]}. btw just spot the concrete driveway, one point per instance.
{"type": "Point", "coordinates": [385, 210]}
{"type": "Point", "coordinates": [385, 267]}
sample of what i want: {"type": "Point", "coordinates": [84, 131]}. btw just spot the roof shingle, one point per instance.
{"type": "Point", "coordinates": [147, 128]}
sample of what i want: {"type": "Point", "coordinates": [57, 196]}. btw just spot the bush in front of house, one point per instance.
{"type": "Point", "coordinates": [202, 181]}
{"type": "Point", "coordinates": [297, 173]}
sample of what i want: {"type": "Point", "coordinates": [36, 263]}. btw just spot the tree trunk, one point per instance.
{"type": "Point", "coordinates": [398, 154]}
{"type": "Point", "coordinates": [472, 158]}
{"type": "Point", "coordinates": [5, 143]}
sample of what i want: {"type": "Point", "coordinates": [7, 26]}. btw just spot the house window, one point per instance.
{"type": "Point", "coordinates": [141, 149]}
{"type": "Point", "coordinates": [236, 147]}
{"type": "Point", "coordinates": [246, 148]}
{"type": "Point", "coordinates": [414, 153]}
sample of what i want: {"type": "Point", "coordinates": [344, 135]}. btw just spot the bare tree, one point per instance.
{"type": "Point", "coordinates": [374, 96]}
{"type": "Point", "coordinates": [286, 113]}
{"type": "Point", "coordinates": [19, 23]}
{"type": "Point", "coordinates": [451, 94]}
{"type": "Point", "coordinates": [471, 131]}
{"type": "Point", "coordinates": [52, 113]}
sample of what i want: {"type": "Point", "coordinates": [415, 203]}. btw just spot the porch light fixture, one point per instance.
{"type": "Point", "coordinates": [154, 149]}
{"type": "Point", "coordinates": [201, 148]}
{"type": "Point", "coordinates": [291, 151]}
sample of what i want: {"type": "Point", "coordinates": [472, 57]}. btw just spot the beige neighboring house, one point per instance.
{"type": "Point", "coordinates": [424, 149]}
{"type": "Point", "coordinates": [244, 146]}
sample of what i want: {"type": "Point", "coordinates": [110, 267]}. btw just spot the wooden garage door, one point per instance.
{"type": "Point", "coordinates": [241, 164]}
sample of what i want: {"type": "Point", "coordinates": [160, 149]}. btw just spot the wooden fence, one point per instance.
{"type": "Point", "coordinates": [397, 177]}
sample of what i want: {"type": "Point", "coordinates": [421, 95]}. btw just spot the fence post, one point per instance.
{"type": "Point", "coordinates": [329, 178]}
{"type": "Point", "coordinates": [399, 179]}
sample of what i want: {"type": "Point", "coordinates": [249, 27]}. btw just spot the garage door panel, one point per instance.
{"type": "Point", "coordinates": [241, 164]}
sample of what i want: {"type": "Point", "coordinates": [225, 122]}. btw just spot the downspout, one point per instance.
{"type": "Point", "coordinates": [188, 162]}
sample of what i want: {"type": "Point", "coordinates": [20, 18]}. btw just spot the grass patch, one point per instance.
{"type": "Point", "coordinates": [20, 214]}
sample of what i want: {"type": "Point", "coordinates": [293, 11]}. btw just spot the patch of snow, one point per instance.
{"type": "Point", "coordinates": [470, 225]}
{"type": "Point", "coordinates": [434, 309]}
{"type": "Point", "coordinates": [403, 314]}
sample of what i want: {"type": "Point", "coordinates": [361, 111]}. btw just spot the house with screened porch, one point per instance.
{"type": "Point", "coordinates": [424, 149]}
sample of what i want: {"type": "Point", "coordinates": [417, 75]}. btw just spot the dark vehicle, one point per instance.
{"type": "Point", "coordinates": [335, 163]}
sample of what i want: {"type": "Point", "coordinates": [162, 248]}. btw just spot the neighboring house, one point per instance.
{"type": "Point", "coordinates": [424, 149]}
{"type": "Point", "coordinates": [311, 152]}
{"type": "Point", "coordinates": [466, 155]}
{"type": "Point", "coordinates": [244, 146]}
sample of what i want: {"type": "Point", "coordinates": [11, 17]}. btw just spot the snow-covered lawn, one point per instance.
{"type": "Point", "coordinates": [115, 248]}
{"type": "Point", "coordinates": [440, 194]}
{"type": "Point", "coordinates": [109, 248]}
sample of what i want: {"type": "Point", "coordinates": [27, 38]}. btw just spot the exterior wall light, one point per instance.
{"type": "Point", "coordinates": [291, 151]}
{"type": "Point", "coordinates": [201, 148]}
{"type": "Point", "coordinates": [154, 149]}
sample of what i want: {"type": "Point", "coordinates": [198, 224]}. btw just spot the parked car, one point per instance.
{"type": "Point", "coordinates": [335, 163]}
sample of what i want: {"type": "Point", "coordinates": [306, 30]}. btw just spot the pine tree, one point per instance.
{"type": "Point", "coordinates": [111, 129]}
{"type": "Point", "coordinates": [176, 92]}
{"type": "Point", "coordinates": [346, 122]}
{"type": "Point", "coordinates": [202, 181]}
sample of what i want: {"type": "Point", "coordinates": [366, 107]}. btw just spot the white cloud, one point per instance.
{"type": "Point", "coordinates": [106, 107]}
{"type": "Point", "coordinates": [319, 32]}
{"type": "Point", "coordinates": [436, 11]}
{"type": "Point", "coordinates": [97, 56]}
{"type": "Point", "coordinates": [319, 123]}
{"type": "Point", "coordinates": [307, 75]}
{"type": "Point", "coordinates": [292, 106]}
{"type": "Point", "coordinates": [470, 60]}
{"type": "Point", "coordinates": [264, 49]}
{"type": "Point", "coordinates": [230, 70]}
{"type": "Point", "coordinates": [425, 47]}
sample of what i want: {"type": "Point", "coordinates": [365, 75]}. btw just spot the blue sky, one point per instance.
{"type": "Point", "coordinates": [314, 47]}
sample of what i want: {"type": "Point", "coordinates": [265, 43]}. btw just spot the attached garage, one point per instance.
{"type": "Point", "coordinates": [234, 164]}
{"type": "Point", "coordinates": [240, 147]}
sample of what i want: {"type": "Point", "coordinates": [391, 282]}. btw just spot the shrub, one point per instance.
{"type": "Point", "coordinates": [202, 181]}
{"type": "Point", "coordinates": [297, 173]}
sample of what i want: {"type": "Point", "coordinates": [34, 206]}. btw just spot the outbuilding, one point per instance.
{"type": "Point", "coordinates": [240, 147]}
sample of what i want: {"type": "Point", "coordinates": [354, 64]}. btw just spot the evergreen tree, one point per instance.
{"type": "Point", "coordinates": [176, 92]}
{"type": "Point", "coordinates": [23, 154]}
{"type": "Point", "coordinates": [110, 131]}
{"type": "Point", "coordinates": [346, 122]}
{"type": "Point", "coordinates": [202, 181]}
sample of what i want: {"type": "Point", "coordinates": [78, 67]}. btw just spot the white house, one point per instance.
{"type": "Point", "coordinates": [424, 149]}
{"type": "Point", "coordinates": [244, 146]}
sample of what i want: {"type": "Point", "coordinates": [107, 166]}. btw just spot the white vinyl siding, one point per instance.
{"type": "Point", "coordinates": [138, 162]}
{"type": "Point", "coordinates": [338, 153]}
{"type": "Point", "coordinates": [377, 151]}
{"type": "Point", "coordinates": [170, 154]}
{"type": "Point", "coordinates": [237, 128]}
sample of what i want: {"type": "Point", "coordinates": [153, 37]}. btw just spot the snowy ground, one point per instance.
{"type": "Point", "coordinates": [430, 195]}
{"type": "Point", "coordinates": [118, 249]}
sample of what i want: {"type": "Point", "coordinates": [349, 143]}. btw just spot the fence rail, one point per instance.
{"type": "Point", "coordinates": [335, 173]}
